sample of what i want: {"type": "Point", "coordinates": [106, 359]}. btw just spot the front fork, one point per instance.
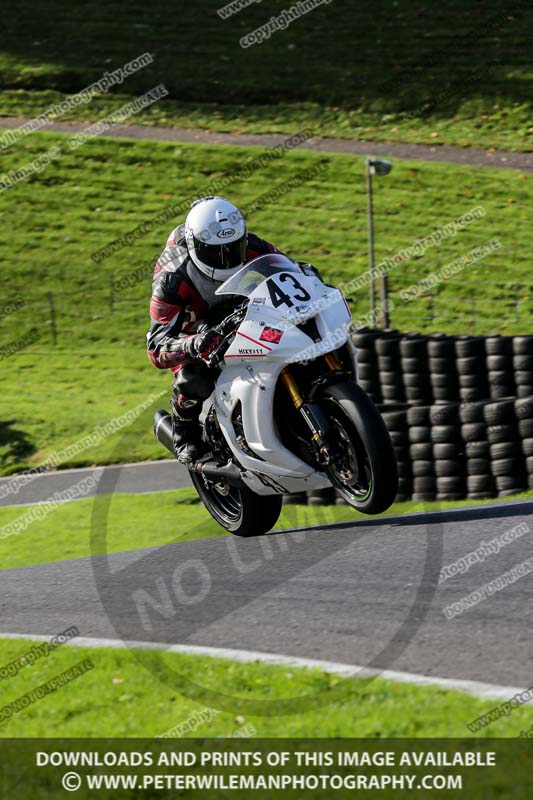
{"type": "Point", "coordinates": [314, 417]}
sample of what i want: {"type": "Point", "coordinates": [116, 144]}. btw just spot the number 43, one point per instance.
{"type": "Point", "coordinates": [280, 298]}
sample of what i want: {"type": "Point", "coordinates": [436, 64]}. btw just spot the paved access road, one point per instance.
{"type": "Point", "coordinates": [149, 476]}
{"type": "Point", "coordinates": [471, 156]}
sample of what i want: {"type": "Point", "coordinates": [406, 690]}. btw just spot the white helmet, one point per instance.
{"type": "Point", "coordinates": [215, 232]}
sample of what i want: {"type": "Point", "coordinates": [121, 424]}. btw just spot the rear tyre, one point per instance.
{"type": "Point", "coordinates": [239, 510]}
{"type": "Point", "coordinates": [363, 470]}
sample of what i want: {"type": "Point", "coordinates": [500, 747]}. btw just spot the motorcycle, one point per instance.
{"type": "Point", "coordinates": [286, 414]}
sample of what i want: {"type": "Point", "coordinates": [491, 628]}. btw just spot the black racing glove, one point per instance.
{"type": "Point", "coordinates": [203, 344]}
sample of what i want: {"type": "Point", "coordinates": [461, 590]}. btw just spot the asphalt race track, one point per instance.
{"type": "Point", "coordinates": [364, 593]}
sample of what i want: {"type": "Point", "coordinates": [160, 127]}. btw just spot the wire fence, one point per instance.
{"type": "Point", "coordinates": [512, 305]}
{"type": "Point", "coordinates": [475, 310]}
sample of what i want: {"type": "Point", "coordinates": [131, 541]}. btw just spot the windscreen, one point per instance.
{"type": "Point", "coordinates": [252, 274]}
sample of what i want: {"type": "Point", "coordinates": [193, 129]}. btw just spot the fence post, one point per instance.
{"type": "Point", "coordinates": [370, 215]}
{"type": "Point", "coordinates": [431, 306]}
{"type": "Point", "coordinates": [111, 292]}
{"type": "Point", "coordinates": [384, 292]}
{"type": "Point", "coordinates": [52, 316]}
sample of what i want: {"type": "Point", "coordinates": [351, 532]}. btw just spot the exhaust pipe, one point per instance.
{"type": "Point", "coordinates": [163, 429]}
{"type": "Point", "coordinates": [212, 471]}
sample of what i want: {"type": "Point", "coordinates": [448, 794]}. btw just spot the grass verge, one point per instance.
{"type": "Point", "coordinates": [492, 125]}
{"type": "Point", "coordinates": [118, 698]}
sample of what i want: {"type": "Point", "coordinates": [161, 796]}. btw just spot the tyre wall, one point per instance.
{"type": "Point", "coordinates": [459, 410]}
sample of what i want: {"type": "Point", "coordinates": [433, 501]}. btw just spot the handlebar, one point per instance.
{"type": "Point", "coordinates": [226, 329]}
{"type": "Point", "coordinates": [231, 321]}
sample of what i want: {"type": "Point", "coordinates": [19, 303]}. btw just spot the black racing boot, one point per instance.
{"type": "Point", "coordinates": [186, 429]}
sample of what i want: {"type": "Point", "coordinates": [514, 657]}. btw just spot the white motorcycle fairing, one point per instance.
{"type": "Point", "coordinates": [281, 297]}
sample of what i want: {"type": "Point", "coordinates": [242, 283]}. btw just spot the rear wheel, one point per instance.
{"type": "Point", "coordinates": [238, 509]}
{"type": "Point", "coordinates": [363, 466]}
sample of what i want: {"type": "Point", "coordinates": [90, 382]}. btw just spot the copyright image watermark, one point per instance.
{"type": "Point", "coordinates": [33, 167]}
{"type": "Point", "coordinates": [18, 344]}
{"type": "Point", "coordinates": [482, 552]}
{"type": "Point", "coordinates": [528, 733]}
{"type": "Point", "coordinates": [417, 249]}
{"type": "Point", "coordinates": [37, 651]}
{"type": "Point", "coordinates": [92, 439]}
{"type": "Point", "coordinates": [48, 687]}
{"type": "Point", "coordinates": [489, 589]}
{"type": "Point", "coordinates": [11, 306]}
{"type": "Point", "coordinates": [40, 511]}
{"type": "Point", "coordinates": [41, 162]}
{"type": "Point", "coordinates": [453, 268]}
{"type": "Point", "coordinates": [281, 22]}
{"type": "Point", "coordinates": [102, 85]}
{"type": "Point", "coordinates": [119, 116]}
{"type": "Point", "coordinates": [174, 251]}
{"type": "Point", "coordinates": [234, 7]}
{"type": "Point", "coordinates": [214, 187]}
{"type": "Point", "coordinates": [246, 732]}
{"type": "Point", "coordinates": [337, 337]}
{"type": "Point", "coordinates": [284, 188]}
{"type": "Point", "coordinates": [502, 710]}
{"type": "Point", "coordinates": [189, 725]}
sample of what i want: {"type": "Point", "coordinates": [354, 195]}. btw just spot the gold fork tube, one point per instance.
{"type": "Point", "coordinates": [332, 361]}
{"type": "Point", "coordinates": [292, 388]}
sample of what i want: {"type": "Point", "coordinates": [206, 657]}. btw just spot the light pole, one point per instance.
{"type": "Point", "coordinates": [375, 166]}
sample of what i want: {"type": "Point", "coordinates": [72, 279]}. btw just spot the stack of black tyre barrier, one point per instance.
{"type": "Point", "coordinates": [367, 363]}
{"type": "Point", "coordinates": [459, 411]}
{"type": "Point", "coordinates": [396, 421]}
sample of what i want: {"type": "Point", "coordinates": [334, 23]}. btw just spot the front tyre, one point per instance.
{"type": "Point", "coordinates": [363, 466]}
{"type": "Point", "coordinates": [239, 510]}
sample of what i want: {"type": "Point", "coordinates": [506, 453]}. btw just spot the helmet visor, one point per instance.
{"type": "Point", "coordinates": [221, 256]}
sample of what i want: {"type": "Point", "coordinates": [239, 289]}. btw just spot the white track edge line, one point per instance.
{"type": "Point", "coordinates": [484, 691]}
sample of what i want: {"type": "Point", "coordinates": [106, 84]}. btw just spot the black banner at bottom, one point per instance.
{"type": "Point", "coordinates": [299, 769]}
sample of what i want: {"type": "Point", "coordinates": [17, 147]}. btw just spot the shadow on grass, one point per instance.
{"type": "Point", "coordinates": [384, 56]}
{"type": "Point", "coordinates": [15, 446]}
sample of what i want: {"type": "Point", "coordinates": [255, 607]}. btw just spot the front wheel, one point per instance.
{"type": "Point", "coordinates": [239, 510]}
{"type": "Point", "coordinates": [363, 466]}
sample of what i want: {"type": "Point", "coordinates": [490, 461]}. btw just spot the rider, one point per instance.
{"type": "Point", "coordinates": [199, 256]}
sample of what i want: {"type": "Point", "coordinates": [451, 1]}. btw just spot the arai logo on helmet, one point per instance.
{"type": "Point", "coordinates": [225, 233]}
